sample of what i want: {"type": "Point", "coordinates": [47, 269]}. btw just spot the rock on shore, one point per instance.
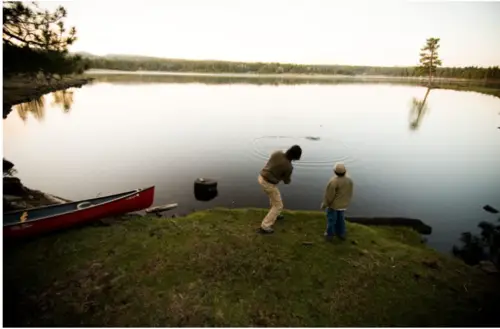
{"type": "Point", "coordinates": [16, 196]}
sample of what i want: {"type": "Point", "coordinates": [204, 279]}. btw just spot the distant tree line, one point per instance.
{"type": "Point", "coordinates": [130, 63]}
{"type": "Point", "coordinates": [36, 41]}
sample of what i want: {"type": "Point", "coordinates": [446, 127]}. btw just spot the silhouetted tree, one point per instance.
{"type": "Point", "coordinates": [36, 40]}
{"type": "Point", "coordinates": [29, 26]}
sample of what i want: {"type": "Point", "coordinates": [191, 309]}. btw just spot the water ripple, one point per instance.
{"type": "Point", "coordinates": [318, 152]}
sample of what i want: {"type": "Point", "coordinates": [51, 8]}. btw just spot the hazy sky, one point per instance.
{"type": "Point", "coordinates": [301, 31]}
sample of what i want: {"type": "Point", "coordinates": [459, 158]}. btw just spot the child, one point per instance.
{"type": "Point", "coordinates": [337, 197]}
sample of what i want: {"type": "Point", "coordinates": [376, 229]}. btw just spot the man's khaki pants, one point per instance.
{"type": "Point", "coordinates": [274, 199]}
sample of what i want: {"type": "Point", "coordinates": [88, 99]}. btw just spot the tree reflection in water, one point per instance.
{"type": "Point", "coordinates": [418, 110]}
{"type": "Point", "coordinates": [64, 99]}
{"type": "Point", "coordinates": [36, 107]}
{"type": "Point", "coordinates": [61, 98]}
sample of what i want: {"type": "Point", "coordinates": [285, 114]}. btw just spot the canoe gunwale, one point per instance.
{"type": "Point", "coordinates": [136, 191]}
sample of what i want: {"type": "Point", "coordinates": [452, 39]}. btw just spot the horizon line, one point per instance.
{"type": "Point", "coordinates": [268, 62]}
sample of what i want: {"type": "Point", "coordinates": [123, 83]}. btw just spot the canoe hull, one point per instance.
{"type": "Point", "coordinates": [134, 201]}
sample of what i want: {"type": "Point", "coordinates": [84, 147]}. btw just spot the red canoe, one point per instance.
{"type": "Point", "coordinates": [31, 222]}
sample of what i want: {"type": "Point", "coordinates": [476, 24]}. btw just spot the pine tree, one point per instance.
{"type": "Point", "coordinates": [429, 58]}
{"type": "Point", "coordinates": [36, 40]}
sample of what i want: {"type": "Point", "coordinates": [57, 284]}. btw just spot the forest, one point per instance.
{"type": "Point", "coordinates": [141, 63]}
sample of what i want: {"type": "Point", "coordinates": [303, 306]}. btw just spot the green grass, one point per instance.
{"type": "Point", "coordinates": [212, 269]}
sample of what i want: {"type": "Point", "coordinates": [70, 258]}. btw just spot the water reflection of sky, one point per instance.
{"type": "Point", "coordinates": [118, 137]}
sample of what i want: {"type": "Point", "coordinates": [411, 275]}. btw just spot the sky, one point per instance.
{"type": "Point", "coordinates": [384, 33]}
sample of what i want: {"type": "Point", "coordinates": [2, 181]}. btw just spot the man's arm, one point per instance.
{"type": "Point", "coordinates": [288, 176]}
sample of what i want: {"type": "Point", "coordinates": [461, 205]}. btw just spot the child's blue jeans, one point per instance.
{"type": "Point", "coordinates": [335, 223]}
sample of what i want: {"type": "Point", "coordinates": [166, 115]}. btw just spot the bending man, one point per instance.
{"type": "Point", "coordinates": [278, 168]}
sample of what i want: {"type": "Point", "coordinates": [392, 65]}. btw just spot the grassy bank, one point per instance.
{"type": "Point", "coordinates": [211, 268]}
{"type": "Point", "coordinates": [21, 89]}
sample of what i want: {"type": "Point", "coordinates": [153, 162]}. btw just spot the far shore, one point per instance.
{"type": "Point", "coordinates": [116, 76]}
{"type": "Point", "coordinates": [283, 75]}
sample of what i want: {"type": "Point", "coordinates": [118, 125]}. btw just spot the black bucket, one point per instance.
{"type": "Point", "coordinates": [205, 189]}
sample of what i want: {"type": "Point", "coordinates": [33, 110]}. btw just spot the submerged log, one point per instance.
{"type": "Point", "coordinates": [54, 199]}
{"type": "Point", "coordinates": [415, 224]}
{"type": "Point", "coordinates": [10, 198]}
{"type": "Point", "coordinates": [63, 200]}
{"type": "Point", "coordinates": [156, 210]}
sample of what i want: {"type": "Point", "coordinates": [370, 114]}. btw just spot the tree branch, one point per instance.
{"type": "Point", "coordinates": [28, 42]}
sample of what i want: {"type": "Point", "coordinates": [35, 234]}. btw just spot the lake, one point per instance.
{"type": "Point", "coordinates": [441, 166]}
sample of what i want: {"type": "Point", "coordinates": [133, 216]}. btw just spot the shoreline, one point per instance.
{"type": "Point", "coordinates": [280, 75]}
{"type": "Point", "coordinates": [31, 198]}
{"type": "Point", "coordinates": [18, 90]}
{"type": "Point", "coordinates": [491, 88]}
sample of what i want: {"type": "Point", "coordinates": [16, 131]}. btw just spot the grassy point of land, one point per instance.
{"type": "Point", "coordinates": [211, 268]}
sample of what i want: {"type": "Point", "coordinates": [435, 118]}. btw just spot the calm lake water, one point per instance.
{"type": "Point", "coordinates": [113, 136]}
